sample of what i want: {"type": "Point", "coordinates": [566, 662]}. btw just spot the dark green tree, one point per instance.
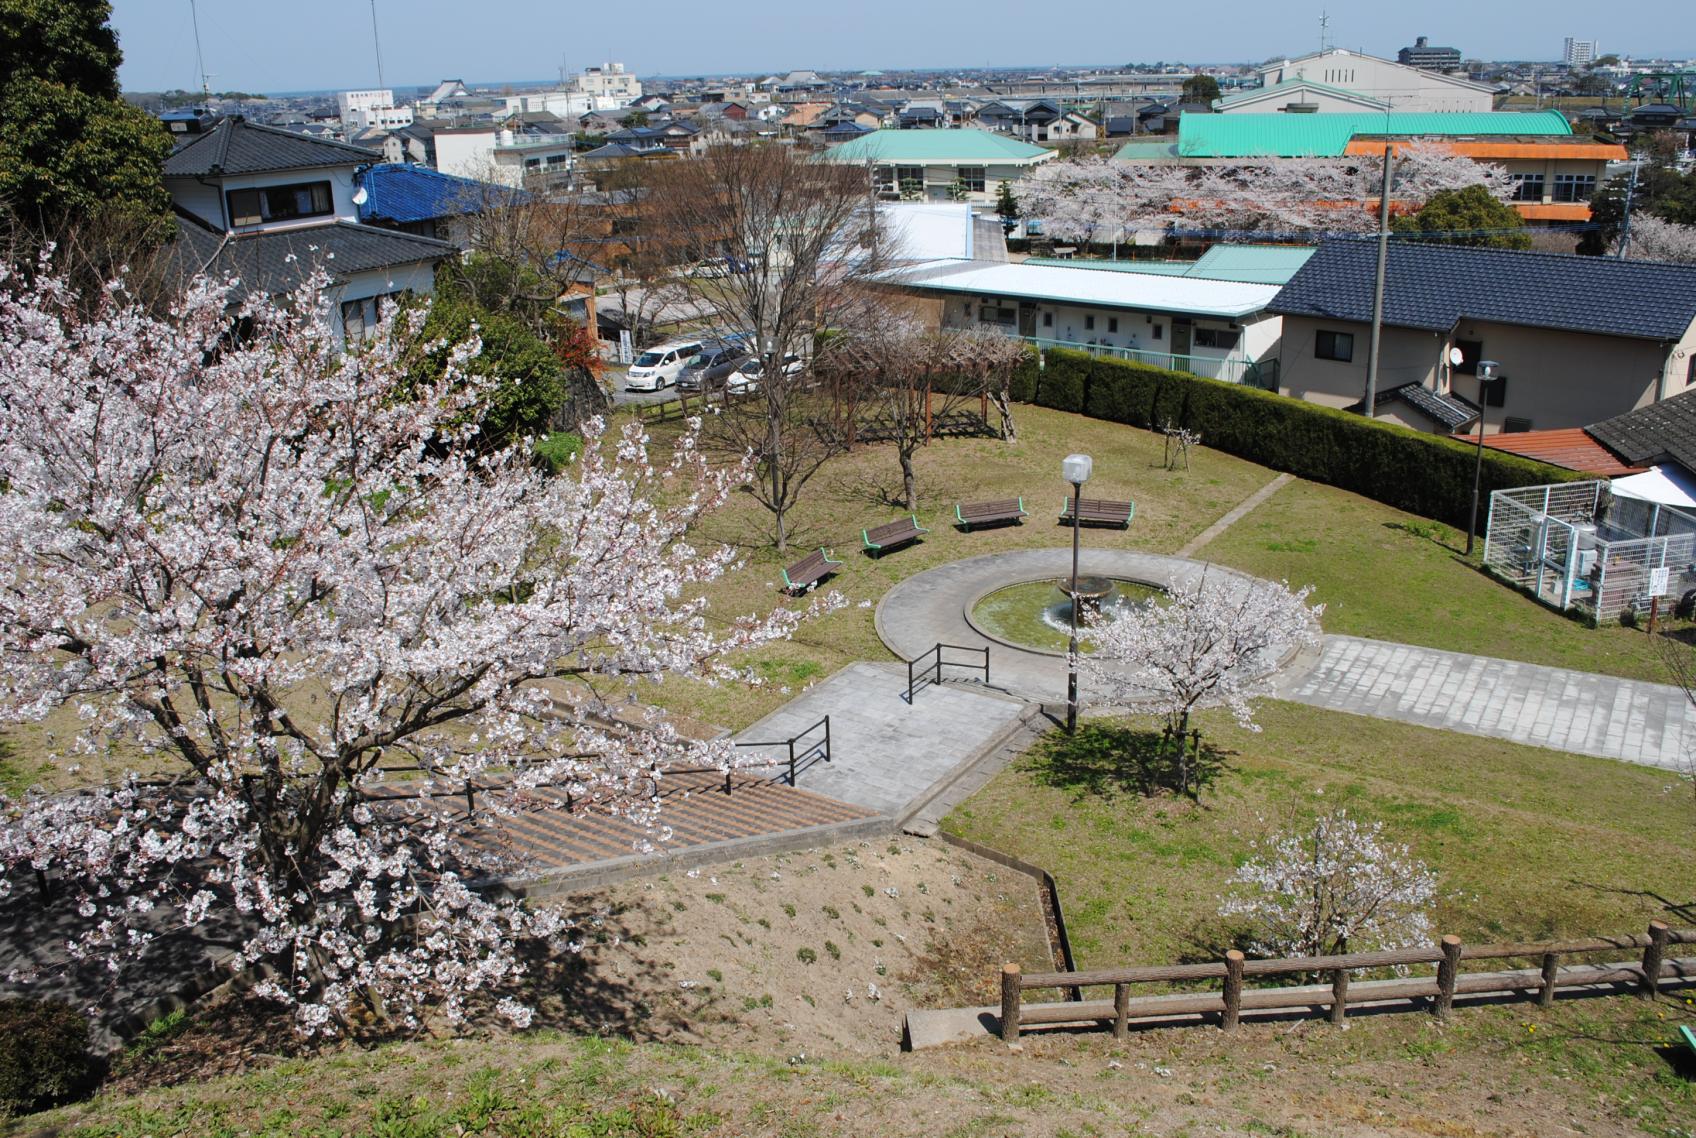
{"type": "Point", "coordinates": [1472, 216]}
{"type": "Point", "coordinates": [70, 148]}
{"type": "Point", "coordinates": [1006, 205]}
{"type": "Point", "coordinates": [1201, 89]}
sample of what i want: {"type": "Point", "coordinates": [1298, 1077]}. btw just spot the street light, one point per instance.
{"type": "Point", "coordinates": [1074, 468]}
{"type": "Point", "coordinates": [1486, 375]}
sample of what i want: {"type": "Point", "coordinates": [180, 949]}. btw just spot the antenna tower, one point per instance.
{"type": "Point", "coordinates": [199, 59]}
{"type": "Point", "coordinates": [1324, 32]}
{"type": "Point", "coordinates": [377, 45]}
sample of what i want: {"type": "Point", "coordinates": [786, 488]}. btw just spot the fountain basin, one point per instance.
{"type": "Point", "coordinates": [1036, 616]}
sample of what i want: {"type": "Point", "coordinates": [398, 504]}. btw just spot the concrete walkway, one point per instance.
{"type": "Point", "coordinates": [1588, 714]}
{"type": "Point", "coordinates": [1242, 510]}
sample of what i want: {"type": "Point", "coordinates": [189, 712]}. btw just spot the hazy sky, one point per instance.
{"type": "Point", "coordinates": [311, 44]}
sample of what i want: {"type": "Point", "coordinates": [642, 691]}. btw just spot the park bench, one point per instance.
{"type": "Point", "coordinates": [1689, 1038]}
{"type": "Point", "coordinates": [892, 535]}
{"type": "Point", "coordinates": [809, 571]}
{"type": "Point", "coordinates": [1100, 512]}
{"type": "Point", "coordinates": [990, 513]}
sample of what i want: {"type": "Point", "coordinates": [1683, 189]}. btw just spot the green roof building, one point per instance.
{"type": "Point", "coordinates": [1212, 137]}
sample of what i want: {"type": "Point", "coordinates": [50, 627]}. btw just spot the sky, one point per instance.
{"type": "Point", "coordinates": [327, 44]}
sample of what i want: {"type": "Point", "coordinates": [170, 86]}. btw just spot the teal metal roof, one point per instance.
{"type": "Point", "coordinates": [1253, 93]}
{"type": "Point", "coordinates": [1146, 151]}
{"type": "Point", "coordinates": [1244, 264]}
{"type": "Point", "coordinates": [941, 146]}
{"type": "Point", "coordinates": [1327, 135]}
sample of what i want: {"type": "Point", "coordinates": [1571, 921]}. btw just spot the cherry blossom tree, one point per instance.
{"type": "Point", "coordinates": [1336, 886]}
{"type": "Point", "coordinates": [1209, 640]}
{"type": "Point", "coordinates": [1656, 239]}
{"type": "Point", "coordinates": [1099, 199]}
{"type": "Point", "coordinates": [276, 569]}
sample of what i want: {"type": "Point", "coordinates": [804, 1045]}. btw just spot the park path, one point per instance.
{"type": "Point", "coordinates": [1582, 712]}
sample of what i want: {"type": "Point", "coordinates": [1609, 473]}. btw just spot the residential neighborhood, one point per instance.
{"type": "Point", "coordinates": [578, 570]}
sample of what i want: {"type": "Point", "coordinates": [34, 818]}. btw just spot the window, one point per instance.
{"type": "Point", "coordinates": [1216, 338]}
{"type": "Point", "coordinates": [1112, 324]}
{"type": "Point", "coordinates": [1471, 351]}
{"type": "Point", "coordinates": [972, 178]}
{"type": "Point", "coordinates": [1574, 187]}
{"type": "Point", "coordinates": [1337, 346]}
{"type": "Point", "coordinates": [1528, 187]}
{"type": "Point", "coordinates": [909, 178]}
{"type": "Point", "coordinates": [987, 315]}
{"type": "Point", "coordinates": [1495, 393]}
{"type": "Point", "coordinates": [280, 203]}
{"type": "Point", "coordinates": [1048, 322]}
{"type": "Point", "coordinates": [1159, 331]}
{"type": "Point", "coordinates": [1089, 323]}
{"type": "Point", "coordinates": [360, 317]}
{"type": "Point", "coordinates": [1512, 425]}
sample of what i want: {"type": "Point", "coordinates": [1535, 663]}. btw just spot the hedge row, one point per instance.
{"type": "Point", "coordinates": [1425, 474]}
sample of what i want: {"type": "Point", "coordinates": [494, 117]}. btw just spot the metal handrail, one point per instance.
{"type": "Point", "coordinates": [916, 674]}
{"type": "Point", "coordinates": [1230, 369]}
{"type": "Point", "coordinates": [820, 749]}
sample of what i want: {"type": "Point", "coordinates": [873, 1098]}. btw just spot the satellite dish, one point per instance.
{"type": "Point", "coordinates": [1456, 357]}
{"type": "Point", "coordinates": [360, 197]}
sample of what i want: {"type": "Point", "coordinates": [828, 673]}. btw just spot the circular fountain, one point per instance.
{"type": "Point", "coordinates": [1037, 615]}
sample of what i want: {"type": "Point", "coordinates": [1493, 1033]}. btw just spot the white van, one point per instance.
{"type": "Point", "coordinates": [659, 366]}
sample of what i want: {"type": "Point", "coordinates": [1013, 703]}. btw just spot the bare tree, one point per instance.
{"type": "Point", "coordinates": [787, 243]}
{"type": "Point", "coordinates": [913, 381]}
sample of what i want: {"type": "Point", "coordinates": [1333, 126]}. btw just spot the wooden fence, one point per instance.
{"type": "Point", "coordinates": [1233, 998]}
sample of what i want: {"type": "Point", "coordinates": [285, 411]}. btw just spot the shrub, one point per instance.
{"type": "Point", "coordinates": [1422, 473]}
{"type": "Point", "coordinates": [44, 1056]}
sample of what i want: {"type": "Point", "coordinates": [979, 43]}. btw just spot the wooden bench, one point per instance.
{"type": "Point", "coordinates": [972, 514]}
{"type": "Point", "coordinates": [892, 535]}
{"type": "Point", "coordinates": [1100, 512]}
{"type": "Point", "coordinates": [809, 571]}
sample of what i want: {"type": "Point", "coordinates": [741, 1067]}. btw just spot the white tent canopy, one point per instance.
{"type": "Point", "coordinates": [1668, 485]}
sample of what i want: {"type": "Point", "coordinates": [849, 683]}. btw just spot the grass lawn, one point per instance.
{"type": "Point", "coordinates": [1391, 575]}
{"type": "Point", "coordinates": [1528, 844]}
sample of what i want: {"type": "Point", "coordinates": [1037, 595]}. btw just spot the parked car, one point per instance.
{"type": "Point", "coordinates": [712, 367]}
{"type": "Point", "coordinates": [659, 366]}
{"type": "Point", "coordinates": [746, 378]}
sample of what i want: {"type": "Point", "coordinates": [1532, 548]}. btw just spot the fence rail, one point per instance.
{"type": "Point", "coordinates": [1231, 369]}
{"type": "Point", "coordinates": [809, 754]}
{"type": "Point", "coordinates": [1233, 998]}
{"type": "Point", "coordinates": [931, 661]}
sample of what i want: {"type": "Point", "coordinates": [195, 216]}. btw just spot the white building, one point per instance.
{"type": "Point", "coordinates": [610, 85]}
{"type": "Point", "coordinates": [564, 104]}
{"type": "Point", "coordinates": [365, 110]}
{"type": "Point", "coordinates": [1408, 89]}
{"type": "Point", "coordinates": [1579, 53]}
{"type": "Point", "coordinates": [494, 154]}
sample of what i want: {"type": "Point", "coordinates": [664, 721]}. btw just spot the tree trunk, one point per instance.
{"type": "Point", "coordinates": [909, 482]}
{"type": "Point", "coordinates": [1004, 408]}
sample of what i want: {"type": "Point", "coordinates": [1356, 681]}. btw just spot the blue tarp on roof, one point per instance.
{"type": "Point", "coordinates": [403, 194]}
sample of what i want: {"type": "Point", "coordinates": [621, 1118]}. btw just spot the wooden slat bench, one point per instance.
{"type": "Point", "coordinates": [998, 512]}
{"type": "Point", "coordinates": [1100, 512]}
{"type": "Point", "coordinates": [892, 535]}
{"type": "Point", "coordinates": [809, 571]}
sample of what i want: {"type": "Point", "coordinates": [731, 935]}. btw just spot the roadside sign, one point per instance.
{"type": "Point", "coordinates": [1659, 580]}
{"type": "Point", "coordinates": [626, 350]}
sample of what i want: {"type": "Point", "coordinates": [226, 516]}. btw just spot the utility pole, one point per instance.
{"type": "Point", "coordinates": [1625, 226]}
{"type": "Point", "coordinates": [200, 59]}
{"type": "Point", "coordinates": [377, 44]}
{"type": "Point", "coordinates": [1368, 405]}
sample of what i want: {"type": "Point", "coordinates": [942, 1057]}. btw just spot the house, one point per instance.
{"type": "Point", "coordinates": [1408, 89]}
{"type": "Point", "coordinates": [609, 85]}
{"type": "Point", "coordinates": [492, 153]}
{"type": "Point", "coordinates": [1557, 173]}
{"type": "Point", "coordinates": [415, 143]}
{"type": "Point", "coordinates": [268, 207]}
{"type": "Point", "coordinates": [1577, 339]}
{"type": "Point", "coordinates": [1208, 317]}
{"type": "Point", "coordinates": [1428, 58]}
{"type": "Point", "coordinates": [417, 199]}
{"type": "Point", "coordinates": [937, 165]}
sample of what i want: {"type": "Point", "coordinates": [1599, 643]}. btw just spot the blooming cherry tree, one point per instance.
{"type": "Point", "coordinates": [1208, 640]}
{"type": "Point", "coordinates": [1657, 239]}
{"type": "Point", "coordinates": [1337, 886]}
{"type": "Point", "coordinates": [279, 568]}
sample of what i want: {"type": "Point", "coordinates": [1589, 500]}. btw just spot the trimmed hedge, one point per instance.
{"type": "Point", "coordinates": [44, 1055]}
{"type": "Point", "coordinates": [1422, 473]}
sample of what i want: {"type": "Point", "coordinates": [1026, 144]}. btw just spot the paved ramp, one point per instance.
{"type": "Point", "coordinates": [1611, 718]}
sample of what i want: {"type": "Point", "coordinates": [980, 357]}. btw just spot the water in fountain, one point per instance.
{"type": "Point", "coordinates": [1109, 605]}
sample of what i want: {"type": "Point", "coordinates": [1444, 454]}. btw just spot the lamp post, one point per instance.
{"type": "Point", "coordinates": [1074, 468]}
{"type": "Point", "coordinates": [1486, 375]}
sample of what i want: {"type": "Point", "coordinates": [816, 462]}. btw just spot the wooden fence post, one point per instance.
{"type": "Point", "coordinates": [1011, 994]}
{"type": "Point", "coordinates": [1233, 990]}
{"type": "Point", "coordinates": [1121, 1010]}
{"type": "Point", "coordinates": [1653, 954]}
{"type": "Point", "coordinates": [1551, 970]}
{"type": "Point", "coordinates": [1339, 995]}
{"type": "Point", "coordinates": [1446, 972]}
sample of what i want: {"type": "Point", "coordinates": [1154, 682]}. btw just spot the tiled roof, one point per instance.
{"type": "Point", "coordinates": [1445, 410]}
{"type": "Point", "coordinates": [278, 260]}
{"type": "Point", "coordinates": [943, 146]}
{"type": "Point", "coordinates": [1568, 447]}
{"type": "Point", "coordinates": [1433, 287]}
{"type": "Point", "coordinates": [1327, 134]}
{"type": "Point", "coordinates": [1649, 434]}
{"type": "Point", "coordinates": [403, 194]}
{"type": "Point", "coordinates": [1247, 264]}
{"type": "Point", "coordinates": [236, 146]}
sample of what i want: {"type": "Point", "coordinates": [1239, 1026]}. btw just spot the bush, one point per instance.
{"type": "Point", "coordinates": [44, 1056]}
{"type": "Point", "coordinates": [1422, 473]}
